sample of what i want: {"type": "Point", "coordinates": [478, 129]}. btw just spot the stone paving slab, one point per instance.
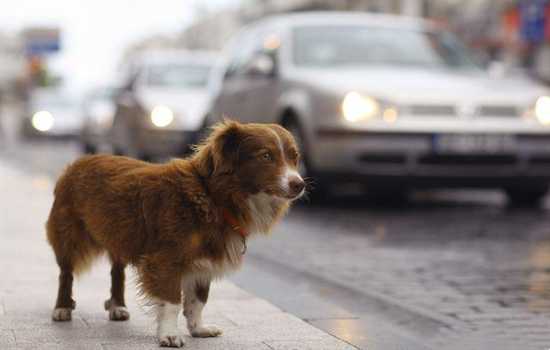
{"type": "Point", "coordinates": [29, 281]}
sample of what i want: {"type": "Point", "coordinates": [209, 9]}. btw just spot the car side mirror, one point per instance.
{"type": "Point", "coordinates": [261, 64]}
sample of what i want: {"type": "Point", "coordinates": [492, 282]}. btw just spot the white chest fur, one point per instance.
{"type": "Point", "coordinates": [232, 260]}
{"type": "Point", "coordinates": [263, 211]}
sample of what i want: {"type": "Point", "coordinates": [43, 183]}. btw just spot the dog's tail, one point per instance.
{"type": "Point", "coordinates": [74, 248]}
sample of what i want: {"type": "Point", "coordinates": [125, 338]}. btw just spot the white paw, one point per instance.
{"type": "Point", "coordinates": [62, 314]}
{"type": "Point", "coordinates": [206, 332]}
{"type": "Point", "coordinates": [171, 341]}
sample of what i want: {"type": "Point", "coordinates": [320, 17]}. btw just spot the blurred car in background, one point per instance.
{"type": "Point", "coordinates": [98, 110]}
{"type": "Point", "coordinates": [389, 102]}
{"type": "Point", "coordinates": [52, 113]}
{"type": "Point", "coordinates": [160, 110]}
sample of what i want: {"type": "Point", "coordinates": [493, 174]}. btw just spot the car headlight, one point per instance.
{"type": "Point", "coordinates": [542, 110]}
{"type": "Point", "coordinates": [42, 121]}
{"type": "Point", "coordinates": [356, 108]}
{"type": "Point", "coordinates": [162, 116]}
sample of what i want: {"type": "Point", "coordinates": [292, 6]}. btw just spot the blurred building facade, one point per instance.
{"type": "Point", "coordinates": [12, 64]}
{"type": "Point", "coordinates": [516, 31]}
{"type": "Point", "coordinates": [212, 30]}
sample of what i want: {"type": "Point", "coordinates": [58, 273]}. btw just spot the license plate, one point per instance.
{"type": "Point", "coordinates": [489, 144]}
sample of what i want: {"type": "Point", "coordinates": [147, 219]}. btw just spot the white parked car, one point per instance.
{"type": "Point", "coordinates": [98, 111]}
{"type": "Point", "coordinates": [52, 113]}
{"type": "Point", "coordinates": [161, 108]}
{"type": "Point", "coordinates": [389, 102]}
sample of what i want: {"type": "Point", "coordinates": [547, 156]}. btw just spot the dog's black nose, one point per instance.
{"type": "Point", "coordinates": [296, 185]}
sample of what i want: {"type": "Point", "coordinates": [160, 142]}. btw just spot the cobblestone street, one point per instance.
{"type": "Point", "coordinates": [481, 271]}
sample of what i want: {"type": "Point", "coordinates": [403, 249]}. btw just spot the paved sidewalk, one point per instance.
{"type": "Point", "coordinates": [28, 282]}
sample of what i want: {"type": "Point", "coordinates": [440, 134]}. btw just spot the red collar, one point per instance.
{"type": "Point", "coordinates": [234, 223]}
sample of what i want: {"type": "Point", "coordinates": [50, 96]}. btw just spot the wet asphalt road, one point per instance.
{"type": "Point", "coordinates": [444, 270]}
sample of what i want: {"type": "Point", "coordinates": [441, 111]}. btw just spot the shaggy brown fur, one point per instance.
{"type": "Point", "coordinates": [166, 220]}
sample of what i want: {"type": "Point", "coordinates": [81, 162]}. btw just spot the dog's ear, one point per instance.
{"type": "Point", "coordinates": [219, 152]}
{"type": "Point", "coordinates": [225, 146]}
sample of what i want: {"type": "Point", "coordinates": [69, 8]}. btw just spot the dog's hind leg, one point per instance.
{"type": "Point", "coordinates": [64, 304]}
{"type": "Point", "coordinates": [116, 305]}
{"type": "Point", "coordinates": [74, 251]}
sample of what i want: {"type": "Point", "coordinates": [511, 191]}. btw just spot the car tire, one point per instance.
{"type": "Point", "coordinates": [526, 197]}
{"type": "Point", "coordinates": [204, 131]}
{"type": "Point", "coordinates": [117, 151]}
{"type": "Point", "coordinates": [88, 148]}
{"type": "Point", "coordinates": [131, 147]}
{"type": "Point", "coordinates": [317, 191]}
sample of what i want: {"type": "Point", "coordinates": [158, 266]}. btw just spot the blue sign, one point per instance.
{"type": "Point", "coordinates": [532, 20]}
{"type": "Point", "coordinates": [41, 41]}
{"type": "Point", "coordinates": [38, 48]}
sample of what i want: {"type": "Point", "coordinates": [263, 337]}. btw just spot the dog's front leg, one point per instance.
{"type": "Point", "coordinates": [167, 331]}
{"type": "Point", "coordinates": [160, 281]}
{"type": "Point", "coordinates": [195, 297]}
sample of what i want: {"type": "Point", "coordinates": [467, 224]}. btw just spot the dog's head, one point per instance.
{"type": "Point", "coordinates": [263, 158]}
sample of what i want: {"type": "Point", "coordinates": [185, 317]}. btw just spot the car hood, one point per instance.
{"type": "Point", "coordinates": [188, 105]}
{"type": "Point", "coordinates": [406, 85]}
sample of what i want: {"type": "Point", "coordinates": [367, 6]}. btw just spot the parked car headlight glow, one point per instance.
{"type": "Point", "coordinates": [42, 121]}
{"type": "Point", "coordinates": [356, 108]}
{"type": "Point", "coordinates": [162, 116]}
{"type": "Point", "coordinates": [542, 110]}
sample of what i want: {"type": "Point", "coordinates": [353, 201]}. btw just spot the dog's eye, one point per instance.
{"type": "Point", "coordinates": [267, 156]}
{"type": "Point", "coordinates": [294, 155]}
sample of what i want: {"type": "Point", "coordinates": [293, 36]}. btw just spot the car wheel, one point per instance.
{"type": "Point", "coordinates": [136, 153]}
{"type": "Point", "coordinates": [316, 190]}
{"type": "Point", "coordinates": [296, 131]}
{"type": "Point", "coordinates": [88, 148]}
{"type": "Point", "coordinates": [204, 131]}
{"type": "Point", "coordinates": [131, 146]}
{"type": "Point", "coordinates": [117, 151]}
{"type": "Point", "coordinates": [526, 197]}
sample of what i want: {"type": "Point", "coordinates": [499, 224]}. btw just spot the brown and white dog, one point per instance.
{"type": "Point", "coordinates": [181, 224]}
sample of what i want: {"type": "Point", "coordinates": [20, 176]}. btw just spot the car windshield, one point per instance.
{"type": "Point", "coordinates": [343, 46]}
{"type": "Point", "coordinates": [53, 101]}
{"type": "Point", "coordinates": [185, 76]}
{"type": "Point", "coordinates": [103, 94]}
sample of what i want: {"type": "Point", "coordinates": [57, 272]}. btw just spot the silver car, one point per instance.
{"type": "Point", "coordinates": [161, 108]}
{"type": "Point", "coordinates": [389, 102]}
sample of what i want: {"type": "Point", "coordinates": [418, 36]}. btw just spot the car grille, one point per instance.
{"type": "Point", "coordinates": [432, 110]}
{"type": "Point", "coordinates": [485, 160]}
{"type": "Point", "coordinates": [450, 111]}
{"type": "Point", "coordinates": [498, 111]}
